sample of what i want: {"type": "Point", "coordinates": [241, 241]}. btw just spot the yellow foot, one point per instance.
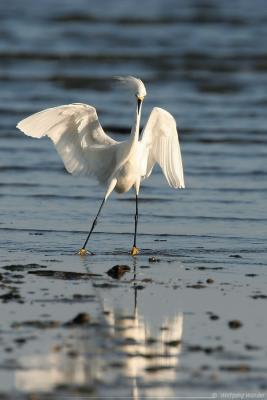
{"type": "Point", "coordinates": [134, 251]}
{"type": "Point", "coordinates": [83, 252]}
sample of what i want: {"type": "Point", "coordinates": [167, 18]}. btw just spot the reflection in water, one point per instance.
{"type": "Point", "coordinates": [75, 362]}
{"type": "Point", "coordinates": [145, 330]}
{"type": "Point", "coordinates": [46, 371]}
{"type": "Point", "coordinates": [150, 337]}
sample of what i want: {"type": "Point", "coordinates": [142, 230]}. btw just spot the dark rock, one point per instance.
{"type": "Point", "coordinates": [214, 317]}
{"type": "Point", "coordinates": [235, 324]}
{"type": "Point", "coordinates": [235, 256]}
{"type": "Point", "coordinates": [153, 259]}
{"type": "Point", "coordinates": [80, 319]}
{"type": "Point", "coordinates": [118, 271]}
{"type": "Point", "coordinates": [210, 280]}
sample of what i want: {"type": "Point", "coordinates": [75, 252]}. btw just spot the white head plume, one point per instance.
{"type": "Point", "coordinates": [135, 84]}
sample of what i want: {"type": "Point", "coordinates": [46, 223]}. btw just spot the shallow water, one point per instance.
{"type": "Point", "coordinates": [154, 332]}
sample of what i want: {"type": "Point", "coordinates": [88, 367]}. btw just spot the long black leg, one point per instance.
{"type": "Point", "coordinates": [135, 219]}
{"type": "Point", "coordinates": [93, 224]}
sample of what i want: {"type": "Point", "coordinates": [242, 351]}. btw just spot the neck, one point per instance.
{"type": "Point", "coordinates": [136, 125]}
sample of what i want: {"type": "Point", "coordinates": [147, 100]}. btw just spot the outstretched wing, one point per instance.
{"type": "Point", "coordinates": [160, 141]}
{"type": "Point", "coordinates": [78, 137]}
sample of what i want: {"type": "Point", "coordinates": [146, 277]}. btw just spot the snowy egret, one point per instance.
{"type": "Point", "coordinates": [86, 149]}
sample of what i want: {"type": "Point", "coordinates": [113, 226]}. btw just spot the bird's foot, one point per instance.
{"type": "Point", "coordinates": [83, 252]}
{"type": "Point", "coordinates": [134, 251]}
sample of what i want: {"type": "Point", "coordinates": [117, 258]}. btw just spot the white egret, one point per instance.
{"type": "Point", "coordinates": [86, 149]}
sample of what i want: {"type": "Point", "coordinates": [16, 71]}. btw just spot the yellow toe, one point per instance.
{"type": "Point", "coordinates": [134, 251]}
{"type": "Point", "coordinates": [83, 252]}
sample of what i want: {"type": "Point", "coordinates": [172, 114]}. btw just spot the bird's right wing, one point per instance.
{"type": "Point", "coordinates": [78, 137]}
{"type": "Point", "coordinates": [161, 144]}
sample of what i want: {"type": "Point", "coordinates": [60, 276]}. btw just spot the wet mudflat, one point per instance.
{"type": "Point", "coordinates": [187, 316]}
{"type": "Point", "coordinates": [184, 324]}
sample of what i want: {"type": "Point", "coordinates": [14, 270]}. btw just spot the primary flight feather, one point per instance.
{"type": "Point", "coordinates": [86, 149]}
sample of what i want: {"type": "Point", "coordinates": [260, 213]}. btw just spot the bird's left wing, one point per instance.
{"type": "Point", "coordinates": [78, 137]}
{"type": "Point", "coordinates": [161, 144]}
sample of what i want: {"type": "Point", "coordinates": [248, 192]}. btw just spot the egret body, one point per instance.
{"type": "Point", "coordinates": [86, 149]}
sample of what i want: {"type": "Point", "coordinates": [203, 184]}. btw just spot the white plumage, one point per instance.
{"type": "Point", "coordinates": [161, 140]}
{"type": "Point", "coordinates": [86, 149]}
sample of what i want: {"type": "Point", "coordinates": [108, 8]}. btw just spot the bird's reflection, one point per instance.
{"type": "Point", "coordinates": [144, 325]}
{"type": "Point", "coordinates": [148, 331]}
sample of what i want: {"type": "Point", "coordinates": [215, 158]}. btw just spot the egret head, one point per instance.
{"type": "Point", "coordinates": [140, 91]}
{"type": "Point", "coordinates": [135, 84]}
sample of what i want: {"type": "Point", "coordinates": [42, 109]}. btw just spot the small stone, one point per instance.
{"type": "Point", "coordinates": [214, 317]}
{"type": "Point", "coordinates": [118, 271]}
{"type": "Point", "coordinates": [235, 324]}
{"type": "Point", "coordinates": [210, 280]}
{"type": "Point", "coordinates": [153, 259]}
{"type": "Point", "coordinates": [80, 319]}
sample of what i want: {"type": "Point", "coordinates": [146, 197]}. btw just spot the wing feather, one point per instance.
{"type": "Point", "coordinates": [160, 140]}
{"type": "Point", "coordinates": [78, 137]}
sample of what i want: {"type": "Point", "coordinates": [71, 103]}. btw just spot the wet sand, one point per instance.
{"type": "Point", "coordinates": [161, 328]}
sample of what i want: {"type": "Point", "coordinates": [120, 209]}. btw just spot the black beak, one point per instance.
{"type": "Point", "coordinates": [139, 102]}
